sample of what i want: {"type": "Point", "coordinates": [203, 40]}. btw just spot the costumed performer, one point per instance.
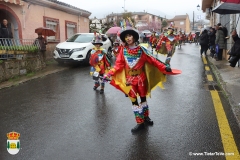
{"type": "Point", "coordinates": [135, 73]}
{"type": "Point", "coordinates": [166, 45]}
{"type": "Point", "coordinates": [99, 62]}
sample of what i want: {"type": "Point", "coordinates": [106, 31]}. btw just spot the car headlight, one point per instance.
{"type": "Point", "coordinates": [78, 49]}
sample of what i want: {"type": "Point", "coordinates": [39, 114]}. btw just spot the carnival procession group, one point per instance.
{"type": "Point", "coordinates": [136, 71]}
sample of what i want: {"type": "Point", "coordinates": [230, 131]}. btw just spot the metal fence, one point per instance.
{"type": "Point", "coordinates": [9, 46]}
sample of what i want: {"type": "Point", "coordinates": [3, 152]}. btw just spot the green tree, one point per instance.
{"type": "Point", "coordinates": [164, 24]}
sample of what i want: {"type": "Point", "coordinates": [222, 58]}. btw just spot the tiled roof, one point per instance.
{"type": "Point", "coordinates": [67, 5]}
{"type": "Point", "coordinates": [179, 17]}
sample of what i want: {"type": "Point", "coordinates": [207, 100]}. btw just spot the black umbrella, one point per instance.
{"type": "Point", "coordinates": [227, 8]}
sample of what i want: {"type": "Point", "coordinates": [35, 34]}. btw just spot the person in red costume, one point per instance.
{"type": "Point", "coordinates": [134, 72]}
{"type": "Point", "coordinates": [153, 40]}
{"type": "Point", "coordinates": [116, 47]}
{"type": "Point", "coordinates": [167, 44]}
{"type": "Point", "coordinates": [190, 38]}
{"type": "Point", "coordinates": [99, 62]}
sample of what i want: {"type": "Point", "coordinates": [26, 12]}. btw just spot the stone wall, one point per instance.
{"type": "Point", "coordinates": [22, 65]}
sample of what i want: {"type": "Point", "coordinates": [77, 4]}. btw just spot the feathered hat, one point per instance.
{"type": "Point", "coordinates": [97, 39]}
{"type": "Point", "coordinates": [127, 28]}
{"type": "Point", "coordinates": [171, 26]}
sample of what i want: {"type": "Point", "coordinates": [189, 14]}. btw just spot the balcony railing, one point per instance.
{"type": "Point", "coordinates": [12, 48]}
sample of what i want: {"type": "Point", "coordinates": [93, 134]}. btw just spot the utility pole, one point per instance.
{"type": "Point", "coordinates": [193, 21]}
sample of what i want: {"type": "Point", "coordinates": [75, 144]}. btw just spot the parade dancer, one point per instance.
{"type": "Point", "coordinates": [116, 47]}
{"type": "Point", "coordinates": [190, 37]}
{"type": "Point", "coordinates": [166, 45]}
{"type": "Point", "coordinates": [153, 40]}
{"type": "Point", "coordinates": [181, 38]}
{"type": "Point", "coordinates": [99, 62]}
{"type": "Point", "coordinates": [135, 73]}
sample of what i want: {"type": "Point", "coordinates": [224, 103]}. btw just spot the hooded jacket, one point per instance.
{"type": "Point", "coordinates": [220, 39]}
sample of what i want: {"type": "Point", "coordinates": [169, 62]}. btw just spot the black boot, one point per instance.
{"type": "Point", "coordinates": [101, 91]}
{"type": "Point", "coordinates": [137, 128]}
{"type": "Point", "coordinates": [148, 121]}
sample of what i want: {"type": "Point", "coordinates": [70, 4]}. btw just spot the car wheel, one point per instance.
{"type": "Point", "coordinates": [109, 53]}
{"type": "Point", "coordinates": [86, 61]}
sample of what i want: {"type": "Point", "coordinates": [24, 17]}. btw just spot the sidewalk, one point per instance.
{"type": "Point", "coordinates": [229, 79]}
{"type": "Point", "coordinates": [51, 67]}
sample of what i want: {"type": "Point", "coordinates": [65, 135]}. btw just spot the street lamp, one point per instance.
{"type": "Point", "coordinates": [198, 8]}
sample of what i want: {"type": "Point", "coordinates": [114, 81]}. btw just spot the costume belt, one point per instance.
{"type": "Point", "coordinates": [133, 72]}
{"type": "Point", "coordinates": [100, 63]}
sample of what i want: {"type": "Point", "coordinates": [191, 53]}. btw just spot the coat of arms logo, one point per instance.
{"type": "Point", "coordinates": [13, 142]}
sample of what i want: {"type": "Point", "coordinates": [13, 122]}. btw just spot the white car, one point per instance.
{"type": "Point", "coordinates": [78, 48]}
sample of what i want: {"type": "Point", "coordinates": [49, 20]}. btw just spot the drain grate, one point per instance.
{"type": "Point", "coordinates": [214, 87]}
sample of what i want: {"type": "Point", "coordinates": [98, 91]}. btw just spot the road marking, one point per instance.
{"type": "Point", "coordinates": [209, 77]}
{"type": "Point", "coordinates": [204, 60]}
{"type": "Point", "coordinates": [228, 141]}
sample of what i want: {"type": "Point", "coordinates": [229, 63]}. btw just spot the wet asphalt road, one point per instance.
{"type": "Point", "coordinates": [60, 117]}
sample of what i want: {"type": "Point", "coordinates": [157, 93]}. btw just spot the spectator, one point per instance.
{"type": "Point", "coordinates": [6, 32]}
{"type": "Point", "coordinates": [235, 50]}
{"type": "Point", "coordinates": [212, 38]}
{"type": "Point", "coordinates": [204, 42]}
{"type": "Point", "coordinates": [42, 42]}
{"type": "Point", "coordinates": [220, 41]}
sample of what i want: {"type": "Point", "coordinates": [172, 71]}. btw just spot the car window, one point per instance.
{"type": "Point", "coordinates": [81, 38]}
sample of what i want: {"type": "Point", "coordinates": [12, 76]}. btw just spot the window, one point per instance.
{"type": "Point", "coordinates": [182, 23]}
{"type": "Point", "coordinates": [53, 24]}
{"type": "Point", "coordinates": [70, 29]}
{"type": "Point", "coordinates": [81, 38]}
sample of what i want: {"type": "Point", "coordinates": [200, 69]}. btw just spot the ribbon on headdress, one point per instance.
{"type": "Point", "coordinates": [130, 21]}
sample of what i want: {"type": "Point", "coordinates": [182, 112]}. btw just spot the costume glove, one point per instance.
{"type": "Point", "coordinates": [168, 69]}
{"type": "Point", "coordinates": [106, 77]}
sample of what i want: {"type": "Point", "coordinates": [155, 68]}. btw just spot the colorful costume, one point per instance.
{"type": "Point", "coordinates": [116, 47]}
{"type": "Point", "coordinates": [190, 37]}
{"type": "Point", "coordinates": [153, 40]}
{"type": "Point", "coordinates": [136, 73]}
{"type": "Point", "coordinates": [99, 62]}
{"type": "Point", "coordinates": [166, 45]}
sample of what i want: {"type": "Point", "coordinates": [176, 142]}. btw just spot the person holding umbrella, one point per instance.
{"type": "Point", "coordinates": [43, 45]}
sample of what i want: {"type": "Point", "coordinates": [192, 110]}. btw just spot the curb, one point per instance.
{"type": "Point", "coordinates": [10, 84]}
{"type": "Point", "coordinates": [217, 75]}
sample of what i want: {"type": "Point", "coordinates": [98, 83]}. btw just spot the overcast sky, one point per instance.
{"type": "Point", "coordinates": [168, 8]}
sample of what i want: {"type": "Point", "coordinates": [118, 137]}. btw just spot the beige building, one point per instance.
{"type": "Point", "coordinates": [181, 23]}
{"type": "Point", "coordinates": [27, 15]}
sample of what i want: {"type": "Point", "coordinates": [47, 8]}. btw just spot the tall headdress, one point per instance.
{"type": "Point", "coordinates": [127, 28]}
{"type": "Point", "coordinates": [97, 39]}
